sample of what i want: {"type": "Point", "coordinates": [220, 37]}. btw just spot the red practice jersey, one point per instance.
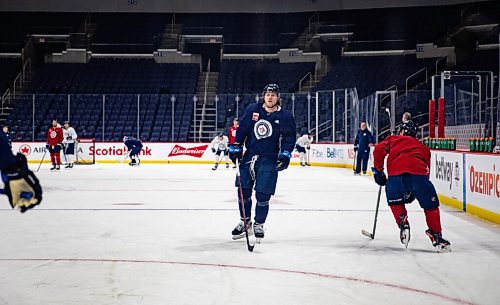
{"type": "Point", "coordinates": [232, 134]}
{"type": "Point", "coordinates": [404, 155]}
{"type": "Point", "coordinates": [54, 136]}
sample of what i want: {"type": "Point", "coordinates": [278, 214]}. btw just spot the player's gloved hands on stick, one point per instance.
{"type": "Point", "coordinates": [308, 147]}
{"type": "Point", "coordinates": [69, 138]}
{"type": "Point", "coordinates": [213, 150]}
{"type": "Point", "coordinates": [356, 148]}
{"type": "Point", "coordinates": [235, 152]}
{"type": "Point", "coordinates": [47, 146]}
{"type": "Point", "coordinates": [379, 176]}
{"type": "Point", "coordinates": [283, 160]}
{"type": "Point", "coordinates": [21, 185]}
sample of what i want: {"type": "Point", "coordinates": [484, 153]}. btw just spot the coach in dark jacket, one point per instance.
{"type": "Point", "coordinates": [364, 139]}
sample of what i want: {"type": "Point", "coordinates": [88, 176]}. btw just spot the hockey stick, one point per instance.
{"type": "Point", "coordinates": [366, 233]}
{"type": "Point", "coordinates": [41, 161]}
{"type": "Point", "coordinates": [354, 161]}
{"type": "Point", "coordinates": [240, 192]}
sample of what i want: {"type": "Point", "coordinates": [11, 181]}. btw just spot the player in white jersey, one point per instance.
{"type": "Point", "coordinates": [70, 137]}
{"type": "Point", "coordinates": [219, 146]}
{"type": "Point", "coordinates": [302, 146]}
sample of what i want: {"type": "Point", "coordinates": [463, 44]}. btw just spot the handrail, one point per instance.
{"type": "Point", "coordinates": [28, 62]}
{"type": "Point", "coordinates": [437, 63]}
{"type": "Point", "coordinates": [203, 111]}
{"type": "Point", "coordinates": [385, 130]}
{"type": "Point", "coordinates": [302, 79]}
{"type": "Point", "coordinates": [387, 96]}
{"type": "Point", "coordinates": [422, 130]}
{"type": "Point", "coordinates": [5, 96]}
{"type": "Point", "coordinates": [415, 74]}
{"type": "Point", "coordinates": [18, 78]}
{"type": "Point", "coordinates": [320, 125]}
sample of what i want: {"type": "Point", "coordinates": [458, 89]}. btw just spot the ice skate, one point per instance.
{"type": "Point", "coordinates": [441, 244]}
{"type": "Point", "coordinates": [308, 164]}
{"type": "Point", "coordinates": [258, 230]}
{"type": "Point", "coordinates": [215, 166]}
{"type": "Point", "coordinates": [132, 163]}
{"type": "Point", "coordinates": [404, 227]}
{"type": "Point", "coordinates": [234, 166]}
{"type": "Point", "coordinates": [227, 165]}
{"type": "Point", "coordinates": [68, 166]}
{"type": "Point", "coordinates": [302, 164]}
{"type": "Point", "coordinates": [53, 167]}
{"type": "Point", "coordinates": [239, 230]}
{"type": "Point", "coordinates": [58, 167]}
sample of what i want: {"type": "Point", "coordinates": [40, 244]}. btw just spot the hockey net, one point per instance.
{"type": "Point", "coordinates": [85, 149]}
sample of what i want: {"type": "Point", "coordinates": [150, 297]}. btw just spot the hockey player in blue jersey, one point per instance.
{"type": "Point", "coordinates": [20, 184]}
{"type": "Point", "coordinates": [268, 133]}
{"type": "Point", "coordinates": [134, 147]}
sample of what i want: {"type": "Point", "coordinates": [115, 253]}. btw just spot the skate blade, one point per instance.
{"type": "Point", "coordinates": [406, 238]}
{"type": "Point", "coordinates": [236, 237]}
{"type": "Point", "coordinates": [443, 249]}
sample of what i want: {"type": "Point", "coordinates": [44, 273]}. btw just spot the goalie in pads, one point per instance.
{"type": "Point", "coordinates": [21, 186]}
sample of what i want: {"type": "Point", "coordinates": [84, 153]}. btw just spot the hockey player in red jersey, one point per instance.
{"type": "Point", "coordinates": [408, 164]}
{"type": "Point", "coordinates": [232, 132]}
{"type": "Point", "coordinates": [54, 144]}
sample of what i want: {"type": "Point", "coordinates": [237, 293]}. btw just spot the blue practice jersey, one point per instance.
{"type": "Point", "coordinates": [261, 131]}
{"type": "Point", "coordinates": [132, 143]}
{"type": "Point", "coordinates": [6, 156]}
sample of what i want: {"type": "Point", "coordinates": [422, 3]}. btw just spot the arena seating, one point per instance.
{"type": "Point", "coordinates": [248, 76]}
{"type": "Point", "coordinates": [86, 113]}
{"type": "Point", "coordinates": [371, 73]}
{"type": "Point", "coordinates": [116, 76]}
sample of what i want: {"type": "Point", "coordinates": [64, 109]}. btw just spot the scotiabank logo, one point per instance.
{"type": "Point", "coordinates": [114, 151]}
{"type": "Point", "coordinates": [196, 152]}
{"type": "Point", "coordinates": [486, 183]}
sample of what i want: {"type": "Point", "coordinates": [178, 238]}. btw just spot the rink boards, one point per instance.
{"type": "Point", "coordinates": [466, 181]}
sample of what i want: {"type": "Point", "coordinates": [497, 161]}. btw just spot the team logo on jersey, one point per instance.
{"type": "Point", "coordinates": [255, 116]}
{"type": "Point", "coordinates": [263, 129]}
{"type": "Point", "coordinates": [53, 134]}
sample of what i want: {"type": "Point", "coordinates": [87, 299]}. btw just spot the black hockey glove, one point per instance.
{"type": "Point", "coordinates": [69, 138]}
{"type": "Point", "coordinates": [355, 148]}
{"type": "Point", "coordinates": [379, 177]}
{"type": "Point", "coordinates": [47, 146]}
{"type": "Point", "coordinates": [308, 147]}
{"type": "Point", "coordinates": [21, 185]}
{"type": "Point", "coordinates": [213, 150]}
{"type": "Point", "coordinates": [235, 152]}
{"type": "Point", "coordinates": [283, 160]}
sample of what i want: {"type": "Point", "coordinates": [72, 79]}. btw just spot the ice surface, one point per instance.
{"type": "Point", "coordinates": [161, 234]}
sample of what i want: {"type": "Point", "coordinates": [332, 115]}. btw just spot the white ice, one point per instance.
{"type": "Point", "coordinates": [160, 234]}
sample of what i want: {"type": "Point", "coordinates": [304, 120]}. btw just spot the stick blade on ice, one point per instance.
{"type": "Point", "coordinates": [367, 234]}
